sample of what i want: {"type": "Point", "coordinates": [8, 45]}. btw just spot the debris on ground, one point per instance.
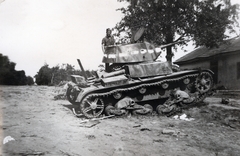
{"type": "Point", "coordinates": [145, 129]}
{"type": "Point", "coordinates": [59, 97]}
{"type": "Point", "coordinates": [159, 140]}
{"type": "Point", "coordinates": [105, 117]}
{"type": "Point", "coordinates": [173, 132]}
{"type": "Point", "coordinates": [225, 101]}
{"type": "Point", "coordinates": [61, 90]}
{"type": "Point", "coordinates": [183, 117]}
{"type": "Point", "coordinates": [90, 137]}
{"type": "Point", "coordinates": [31, 153]}
{"type": "Point", "coordinates": [92, 122]}
{"type": "Point", "coordinates": [168, 131]}
{"type": "Point", "coordinates": [136, 126]}
{"type": "Point", "coordinates": [108, 134]}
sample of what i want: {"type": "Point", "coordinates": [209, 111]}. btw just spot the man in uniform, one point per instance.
{"type": "Point", "coordinates": [108, 40]}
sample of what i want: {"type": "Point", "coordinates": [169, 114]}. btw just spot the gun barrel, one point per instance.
{"type": "Point", "coordinates": [84, 73]}
{"type": "Point", "coordinates": [170, 44]}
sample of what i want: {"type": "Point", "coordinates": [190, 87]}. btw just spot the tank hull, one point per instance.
{"type": "Point", "coordinates": [109, 91]}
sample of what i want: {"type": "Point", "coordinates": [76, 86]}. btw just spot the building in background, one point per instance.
{"type": "Point", "coordinates": [224, 61]}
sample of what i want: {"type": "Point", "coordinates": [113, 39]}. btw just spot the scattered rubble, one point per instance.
{"type": "Point", "coordinates": [92, 122]}
{"type": "Point", "coordinates": [183, 117]}
{"type": "Point", "coordinates": [90, 137]}
{"type": "Point", "coordinates": [145, 129]}
{"type": "Point", "coordinates": [225, 101]}
{"type": "Point", "coordinates": [173, 132]}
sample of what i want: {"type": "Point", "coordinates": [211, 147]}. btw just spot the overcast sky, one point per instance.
{"type": "Point", "coordinates": [35, 32]}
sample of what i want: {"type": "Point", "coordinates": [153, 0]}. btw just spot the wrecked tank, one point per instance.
{"type": "Point", "coordinates": [134, 72]}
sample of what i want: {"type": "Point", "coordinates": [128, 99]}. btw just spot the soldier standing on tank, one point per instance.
{"type": "Point", "coordinates": [108, 40]}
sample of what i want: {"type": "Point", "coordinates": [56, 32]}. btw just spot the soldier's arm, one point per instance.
{"type": "Point", "coordinates": [103, 45]}
{"type": "Point", "coordinates": [103, 48]}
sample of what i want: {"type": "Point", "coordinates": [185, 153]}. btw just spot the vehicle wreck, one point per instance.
{"type": "Point", "coordinates": [135, 74]}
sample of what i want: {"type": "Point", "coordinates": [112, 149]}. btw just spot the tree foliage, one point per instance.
{"type": "Point", "coordinates": [57, 74]}
{"type": "Point", "coordinates": [166, 21]}
{"type": "Point", "coordinates": [9, 76]}
{"type": "Point", "coordinates": [43, 77]}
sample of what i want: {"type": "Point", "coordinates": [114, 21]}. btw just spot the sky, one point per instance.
{"type": "Point", "coordinates": [35, 32]}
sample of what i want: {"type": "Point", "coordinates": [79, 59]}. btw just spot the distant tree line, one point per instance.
{"type": "Point", "coordinates": [57, 74]}
{"type": "Point", "coordinates": [9, 76]}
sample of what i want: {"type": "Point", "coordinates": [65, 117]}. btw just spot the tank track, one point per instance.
{"type": "Point", "coordinates": [92, 105]}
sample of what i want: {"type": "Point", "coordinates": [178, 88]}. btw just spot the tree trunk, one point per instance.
{"type": "Point", "coordinates": [52, 78]}
{"type": "Point", "coordinates": [169, 54]}
{"type": "Point", "coordinates": [169, 39]}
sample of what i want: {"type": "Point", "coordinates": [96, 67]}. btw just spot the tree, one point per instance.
{"type": "Point", "coordinates": [8, 74]}
{"type": "Point", "coordinates": [168, 21]}
{"type": "Point", "coordinates": [56, 74]}
{"type": "Point", "coordinates": [43, 77]}
{"type": "Point", "coordinates": [62, 73]}
{"type": "Point", "coordinates": [30, 80]}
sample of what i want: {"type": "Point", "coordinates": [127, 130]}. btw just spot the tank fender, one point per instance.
{"type": "Point", "coordinates": [209, 71]}
{"type": "Point", "coordinates": [200, 70]}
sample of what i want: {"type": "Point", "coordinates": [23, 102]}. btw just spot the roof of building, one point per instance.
{"type": "Point", "coordinates": [230, 45]}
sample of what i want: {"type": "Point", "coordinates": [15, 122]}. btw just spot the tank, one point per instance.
{"type": "Point", "coordinates": [134, 76]}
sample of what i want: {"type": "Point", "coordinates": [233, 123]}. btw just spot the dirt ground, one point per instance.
{"type": "Point", "coordinates": [33, 123]}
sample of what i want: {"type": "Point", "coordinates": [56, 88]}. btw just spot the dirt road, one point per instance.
{"type": "Point", "coordinates": [33, 123]}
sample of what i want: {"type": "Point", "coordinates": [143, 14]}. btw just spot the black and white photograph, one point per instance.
{"type": "Point", "coordinates": [119, 77]}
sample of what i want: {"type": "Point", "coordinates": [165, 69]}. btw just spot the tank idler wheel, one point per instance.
{"type": "Point", "coordinates": [204, 82]}
{"type": "Point", "coordinates": [92, 107]}
{"type": "Point", "coordinates": [109, 110]}
{"type": "Point", "coordinates": [72, 95]}
{"type": "Point", "coordinates": [203, 85]}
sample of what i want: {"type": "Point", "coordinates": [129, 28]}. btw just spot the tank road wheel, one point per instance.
{"type": "Point", "coordinates": [117, 95]}
{"type": "Point", "coordinates": [203, 84]}
{"type": "Point", "coordinates": [159, 109]}
{"type": "Point", "coordinates": [167, 110]}
{"type": "Point", "coordinates": [72, 95]}
{"type": "Point", "coordinates": [149, 107]}
{"type": "Point", "coordinates": [146, 110]}
{"type": "Point", "coordinates": [142, 90]}
{"type": "Point", "coordinates": [92, 107]}
{"type": "Point", "coordinates": [165, 85]}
